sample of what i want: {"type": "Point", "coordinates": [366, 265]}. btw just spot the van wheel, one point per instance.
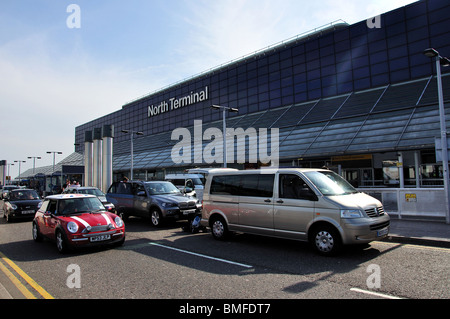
{"type": "Point", "coordinates": [219, 228]}
{"type": "Point", "coordinates": [326, 240]}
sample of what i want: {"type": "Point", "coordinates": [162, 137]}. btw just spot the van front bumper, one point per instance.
{"type": "Point", "coordinates": [365, 230]}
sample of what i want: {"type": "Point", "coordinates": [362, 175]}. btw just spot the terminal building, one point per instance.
{"type": "Point", "coordinates": [361, 99]}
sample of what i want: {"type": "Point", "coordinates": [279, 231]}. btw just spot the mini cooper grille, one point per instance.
{"type": "Point", "coordinates": [95, 229]}
{"type": "Point", "coordinates": [375, 212]}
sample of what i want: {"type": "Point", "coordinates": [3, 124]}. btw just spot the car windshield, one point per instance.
{"type": "Point", "coordinates": [79, 205]}
{"type": "Point", "coordinates": [161, 188]}
{"type": "Point", "coordinates": [91, 191]}
{"type": "Point", "coordinates": [23, 195]}
{"type": "Point", "coordinates": [330, 183]}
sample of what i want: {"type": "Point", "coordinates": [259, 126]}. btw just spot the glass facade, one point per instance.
{"type": "Point", "coordinates": [331, 67]}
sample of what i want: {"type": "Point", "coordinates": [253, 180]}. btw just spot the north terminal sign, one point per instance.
{"type": "Point", "coordinates": [176, 103]}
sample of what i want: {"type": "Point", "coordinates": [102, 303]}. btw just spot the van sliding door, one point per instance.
{"type": "Point", "coordinates": [256, 203]}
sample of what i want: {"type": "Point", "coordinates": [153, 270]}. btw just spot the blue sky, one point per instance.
{"type": "Point", "coordinates": [54, 78]}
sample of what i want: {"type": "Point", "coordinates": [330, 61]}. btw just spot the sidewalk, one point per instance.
{"type": "Point", "coordinates": [419, 232]}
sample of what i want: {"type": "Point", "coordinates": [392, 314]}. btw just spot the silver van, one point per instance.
{"type": "Point", "coordinates": [314, 205]}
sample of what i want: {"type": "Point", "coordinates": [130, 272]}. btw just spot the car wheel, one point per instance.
{"type": "Point", "coordinates": [122, 215]}
{"type": "Point", "coordinates": [326, 240]}
{"type": "Point", "coordinates": [37, 236]}
{"type": "Point", "coordinates": [61, 243]}
{"type": "Point", "coordinates": [156, 217]}
{"type": "Point", "coordinates": [219, 228]}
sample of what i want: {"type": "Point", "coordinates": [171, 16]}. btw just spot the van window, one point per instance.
{"type": "Point", "coordinates": [258, 185]}
{"type": "Point", "coordinates": [329, 183]}
{"type": "Point", "coordinates": [292, 186]}
{"type": "Point", "coordinates": [225, 185]}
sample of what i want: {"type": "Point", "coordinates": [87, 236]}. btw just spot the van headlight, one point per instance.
{"type": "Point", "coordinates": [351, 213]}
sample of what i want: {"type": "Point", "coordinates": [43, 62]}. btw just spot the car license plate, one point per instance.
{"type": "Point", "coordinates": [100, 238]}
{"type": "Point", "coordinates": [190, 211]}
{"type": "Point", "coordinates": [382, 232]}
{"type": "Point", "coordinates": [28, 212]}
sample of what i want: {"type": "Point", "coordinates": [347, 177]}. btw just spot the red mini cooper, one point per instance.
{"type": "Point", "coordinates": [77, 220]}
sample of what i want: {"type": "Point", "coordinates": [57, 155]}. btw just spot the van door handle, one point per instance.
{"type": "Point", "coordinates": [280, 201]}
{"type": "Point", "coordinates": [267, 200]}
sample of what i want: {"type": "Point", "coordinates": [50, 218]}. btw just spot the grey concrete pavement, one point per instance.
{"type": "Point", "coordinates": [420, 232]}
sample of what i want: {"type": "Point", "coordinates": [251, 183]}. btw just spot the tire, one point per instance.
{"type": "Point", "coordinates": [37, 236]}
{"type": "Point", "coordinates": [326, 240]}
{"type": "Point", "coordinates": [8, 218]}
{"type": "Point", "coordinates": [219, 228]}
{"type": "Point", "coordinates": [122, 215]}
{"type": "Point", "coordinates": [61, 242]}
{"type": "Point", "coordinates": [156, 217]}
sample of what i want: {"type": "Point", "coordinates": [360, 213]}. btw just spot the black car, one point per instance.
{"type": "Point", "coordinates": [21, 204]}
{"type": "Point", "coordinates": [157, 200]}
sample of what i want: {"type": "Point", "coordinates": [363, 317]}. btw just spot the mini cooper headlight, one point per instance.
{"type": "Point", "coordinates": [14, 206]}
{"type": "Point", "coordinates": [118, 221]}
{"type": "Point", "coordinates": [72, 227]}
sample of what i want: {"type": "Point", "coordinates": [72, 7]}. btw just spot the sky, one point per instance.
{"type": "Point", "coordinates": [63, 65]}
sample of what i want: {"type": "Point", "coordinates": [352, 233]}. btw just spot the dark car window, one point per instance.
{"type": "Point", "coordinates": [23, 195]}
{"type": "Point", "coordinates": [292, 186]}
{"type": "Point", "coordinates": [52, 206]}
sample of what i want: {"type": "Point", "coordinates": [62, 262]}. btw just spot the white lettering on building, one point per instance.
{"type": "Point", "coordinates": [176, 103]}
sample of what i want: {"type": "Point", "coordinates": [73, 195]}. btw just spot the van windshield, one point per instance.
{"type": "Point", "coordinates": [330, 183]}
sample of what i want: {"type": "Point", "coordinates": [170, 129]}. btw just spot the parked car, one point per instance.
{"type": "Point", "coordinates": [20, 204]}
{"type": "Point", "coordinates": [6, 189]}
{"type": "Point", "coordinates": [76, 220]}
{"type": "Point", "coordinates": [90, 190]}
{"type": "Point", "coordinates": [190, 184]}
{"type": "Point", "coordinates": [314, 205]}
{"type": "Point", "coordinates": [157, 200]}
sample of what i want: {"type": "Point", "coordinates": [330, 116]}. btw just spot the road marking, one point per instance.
{"type": "Point", "coordinates": [27, 278]}
{"type": "Point", "coordinates": [367, 292]}
{"type": "Point", "coordinates": [203, 256]}
{"type": "Point", "coordinates": [17, 283]}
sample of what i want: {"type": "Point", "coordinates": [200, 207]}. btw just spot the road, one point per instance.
{"type": "Point", "coordinates": [168, 263]}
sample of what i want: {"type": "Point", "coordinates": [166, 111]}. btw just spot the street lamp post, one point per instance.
{"type": "Point", "coordinates": [18, 161]}
{"type": "Point", "coordinates": [224, 110]}
{"type": "Point", "coordinates": [34, 161]}
{"type": "Point", "coordinates": [442, 61]}
{"type": "Point", "coordinates": [132, 151]}
{"type": "Point", "coordinates": [9, 166]}
{"type": "Point", "coordinates": [53, 172]}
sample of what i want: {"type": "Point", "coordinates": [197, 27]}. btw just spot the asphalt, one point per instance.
{"type": "Point", "coordinates": [402, 231]}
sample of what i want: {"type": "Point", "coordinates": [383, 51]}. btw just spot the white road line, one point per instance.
{"type": "Point", "coordinates": [203, 256]}
{"type": "Point", "coordinates": [367, 292]}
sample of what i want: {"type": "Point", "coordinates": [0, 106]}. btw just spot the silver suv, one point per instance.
{"type": "Point", "coordinates": [157, 200]}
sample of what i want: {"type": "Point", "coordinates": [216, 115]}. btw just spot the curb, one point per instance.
{"type": "Point", "coordinates": [417, 241]}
